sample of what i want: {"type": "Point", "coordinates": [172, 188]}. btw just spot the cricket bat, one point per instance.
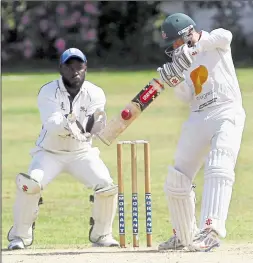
{"type": "Point", "coordinates": [137, 105]}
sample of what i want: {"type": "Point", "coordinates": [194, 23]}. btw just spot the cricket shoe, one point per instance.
{"type": "Point", "coordinates": [16, 243]}
{"type": "Point", "coordinates": [172, 244]}
{"type": "Point", "coordinates": [206, 240]}
{"type": "Point", "coordinates": [105, 241]}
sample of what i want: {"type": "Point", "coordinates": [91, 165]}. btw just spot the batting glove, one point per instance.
{"type": "Point", "coordinates": [171, 74]}
{"type": "Point", "coordinates": [182, 57]}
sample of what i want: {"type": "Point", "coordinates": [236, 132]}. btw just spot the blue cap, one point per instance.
{"type": "Point", "coordinates": [72, 53]}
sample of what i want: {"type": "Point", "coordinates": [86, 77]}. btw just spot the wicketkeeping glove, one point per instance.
{"type": "Point", "coordinates": [76, 130]}
{"type": "Point", "coordinates": [99, 121]}
{"type": "Point", "coordinates": [171, 74]}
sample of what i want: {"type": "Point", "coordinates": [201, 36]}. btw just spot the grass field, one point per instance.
{"type": "Point", "coordinates": [64, 217]}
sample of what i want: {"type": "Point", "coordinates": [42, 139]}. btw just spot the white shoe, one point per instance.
{"type": "Point", "coordinates": [16, 243]}
{"type": "Point", "coordinates": [205, 241]}
{"type": "Point", "coordinates": [106, 241]}
{"type": "Point", "coordinates": [172, 244]}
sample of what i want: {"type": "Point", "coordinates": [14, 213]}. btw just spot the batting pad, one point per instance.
{"type": "Point", "coordinates": [103, 212]}
{"type": "Point", "coordinates": [218, 182]}
{"type": "Point", "coordinates": [181, 203]}
{"type": "Point", "coordinates": [25, 210]}
{"type": "Point", "coordinates": [27, 184]}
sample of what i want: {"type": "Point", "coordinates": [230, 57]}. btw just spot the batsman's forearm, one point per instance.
{"type": "Point", "coordinates": [183, 92]}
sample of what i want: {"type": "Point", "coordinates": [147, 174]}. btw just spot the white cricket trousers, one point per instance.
{"type": "Point", "coordinates": [86, 167]}
{"type": "Point", "coordinates": [213, 137]}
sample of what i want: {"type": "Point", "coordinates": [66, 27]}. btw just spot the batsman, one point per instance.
{"type": "Point", "coordinates": [201, 72]}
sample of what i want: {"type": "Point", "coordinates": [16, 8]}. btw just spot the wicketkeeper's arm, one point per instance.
{"type": "Point", "coordinates": [96, 113]}
{"type": "Point", "coordinates": [50, 113]}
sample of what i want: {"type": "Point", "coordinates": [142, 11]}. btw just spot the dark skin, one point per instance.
{"type": "Point", "coordinates": [73, 73]}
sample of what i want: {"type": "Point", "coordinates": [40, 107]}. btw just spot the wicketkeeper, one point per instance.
{"type": "Point", "coordinates": [201, 72]}
{"type": "Point", "coordinates": [72, 110]}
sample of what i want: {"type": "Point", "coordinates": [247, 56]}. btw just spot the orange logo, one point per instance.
{"type": "Point", "coordinates": [199, 77]}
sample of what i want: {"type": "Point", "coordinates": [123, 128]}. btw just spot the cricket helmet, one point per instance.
{"type": "Point", "coordinates": [176, 26]}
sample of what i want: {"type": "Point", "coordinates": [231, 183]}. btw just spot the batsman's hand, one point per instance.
{"type": "Point", "coordinates": [171, 74]}
{"type": "Point", "coordinates": [182, 57]}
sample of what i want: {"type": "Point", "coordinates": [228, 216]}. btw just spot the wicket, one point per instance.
{"type": "Point", "coordinates": [121, 201]}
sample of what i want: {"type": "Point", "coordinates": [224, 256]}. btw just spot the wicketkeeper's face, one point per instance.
{"type": "Point", "coordinates": [73, 71]}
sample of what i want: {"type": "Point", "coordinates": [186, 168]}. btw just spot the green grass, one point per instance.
{"type": "Point", "coordinates": [64, 217]}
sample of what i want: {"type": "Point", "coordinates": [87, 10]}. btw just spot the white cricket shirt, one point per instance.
{"type": "Point", "coordinates": [211, 80]}
{"type": "Point", "coordinates": [54, 103]}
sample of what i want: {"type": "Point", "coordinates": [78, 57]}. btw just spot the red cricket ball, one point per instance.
{"type": "Point", "coordinates": [126, 114]}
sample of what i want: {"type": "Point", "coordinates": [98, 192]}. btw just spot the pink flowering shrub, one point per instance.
{"type": "Point", "coordinates": [113, 32]}
{"type": "Point", "coordinates": [44, 29]}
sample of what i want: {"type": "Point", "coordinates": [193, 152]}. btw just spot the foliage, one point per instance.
{"type": "Point", "coordinates": [44, 29]}
{"type": "Point", "coordinates": [229, 16]}
{"type": "Point", "coordinates": [108, 32]}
